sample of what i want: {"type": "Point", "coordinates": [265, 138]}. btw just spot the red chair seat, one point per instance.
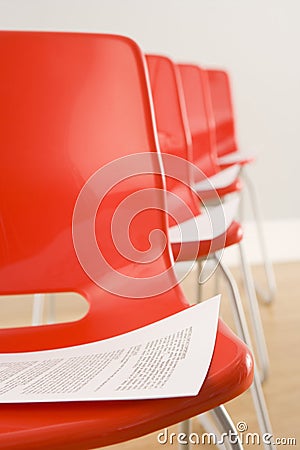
{"type": "Point", "coordinates": [236, 186]}
{"type": "Point", "coordinates": [78, 425]}
{"type": "Point", "coordinates": [242, 161]}
{"type": "Point", "coordinates": [185, 251]}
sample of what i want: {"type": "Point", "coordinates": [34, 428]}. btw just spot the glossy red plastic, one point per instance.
{"type": "Point", "coordinates": [71, 103]}
{"type": "Point", "coordinates": [175, 139]}
{"type": "Point", "coordinates": [221, 100]}
{"type": "Point", "coordinates": [202, 123]}
{"type": "Point", "coordinates": [173, 131]}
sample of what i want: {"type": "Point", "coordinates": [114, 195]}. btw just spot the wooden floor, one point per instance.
{"type": "Point", "coordinates": [281, 322]}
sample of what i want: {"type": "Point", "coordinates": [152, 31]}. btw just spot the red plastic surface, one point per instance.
{"type": "Point", "coordinates": [222, 106]}
{"type": "Point", "coordinates": [236, 186]}
{"type": "Point", "coordinates": [200, 113]}
{"type": "Point", "coordinates": [186, 251]}
{"type": "Point", "coordinates": [175, 139]}
{"type": "Point", "coordinates": [221, 101]}
{"type": "Point", "coordinates": [174, 134]}
{"type": "Point", "coordinates": [71, 103]}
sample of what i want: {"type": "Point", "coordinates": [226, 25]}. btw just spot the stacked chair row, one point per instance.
{"type": "Point", "coordinates": [182, 110]}
{"type": "Point", "coordinates": [228, 154]}
{"type": "Point", "coordinates": [76, 104]}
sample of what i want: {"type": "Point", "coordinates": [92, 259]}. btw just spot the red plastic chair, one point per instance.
{"type": "Point", "coordinates": [174, 136]}
{"type": "Point", "coordinates": [202, 128]}
{"type": "Point", "coordinates": [175, 139]}
{"type": "Point", "coordinates": [220, 94]}
{"type": "Point", "coordinates": [229, 154]}
{"type": "Point", "coordinates": [70, 104]}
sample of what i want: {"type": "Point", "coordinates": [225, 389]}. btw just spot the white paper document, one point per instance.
{"type": "Point", "coordinates": [169, 358]}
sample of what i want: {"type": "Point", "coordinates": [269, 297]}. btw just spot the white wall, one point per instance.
{"type": "Point", "coordinates": [258, 41]}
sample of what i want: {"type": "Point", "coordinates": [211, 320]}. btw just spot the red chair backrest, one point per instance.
{"type": "Point", "coordinates": [70, 104]}
{"type": "Point", "coordinates": [200, 117]}
{"type": "Point", "coordinates": [221, 98]}
{"type": "Point", "coordinates": [173, 131]}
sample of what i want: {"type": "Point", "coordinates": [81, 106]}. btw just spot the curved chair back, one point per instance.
{"type": "Point", "coordinates": [220, 92]}
{"type": "Point", "coordinates": [71, 106]}
{"type": "Point", "coordinates": [200, 117]}
{"type": "Point", "coordinates": [174, 134]}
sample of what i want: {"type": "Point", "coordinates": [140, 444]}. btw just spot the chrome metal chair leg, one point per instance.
{"type": "Point", "coordinates": [266, 295]}
{"type": "Point", "coordinates": [39, 301]}
{"type": "Point", "coordinates": [261, 347]}
{"type": "Point", "coordinates": [206, 268]}
{"type": "Point", "coordinates": [242, 329]}
{"type": "Point", "coordinates": [226, 425]}
{"type": "Point", "coordinates": [241, 210]}
{"type": "Point", "coordinates": [208, 423]}
{"type": "Point", "coordinates": [261, 411]}
{"type": "Point", "coordinates": [199, 284]}
{"type": "Point", "coordinates": [217, 282]}
{"type": "Point", "coordinates": [37, 309]}
{"type": "Point", "coordinates": [185, 427]}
